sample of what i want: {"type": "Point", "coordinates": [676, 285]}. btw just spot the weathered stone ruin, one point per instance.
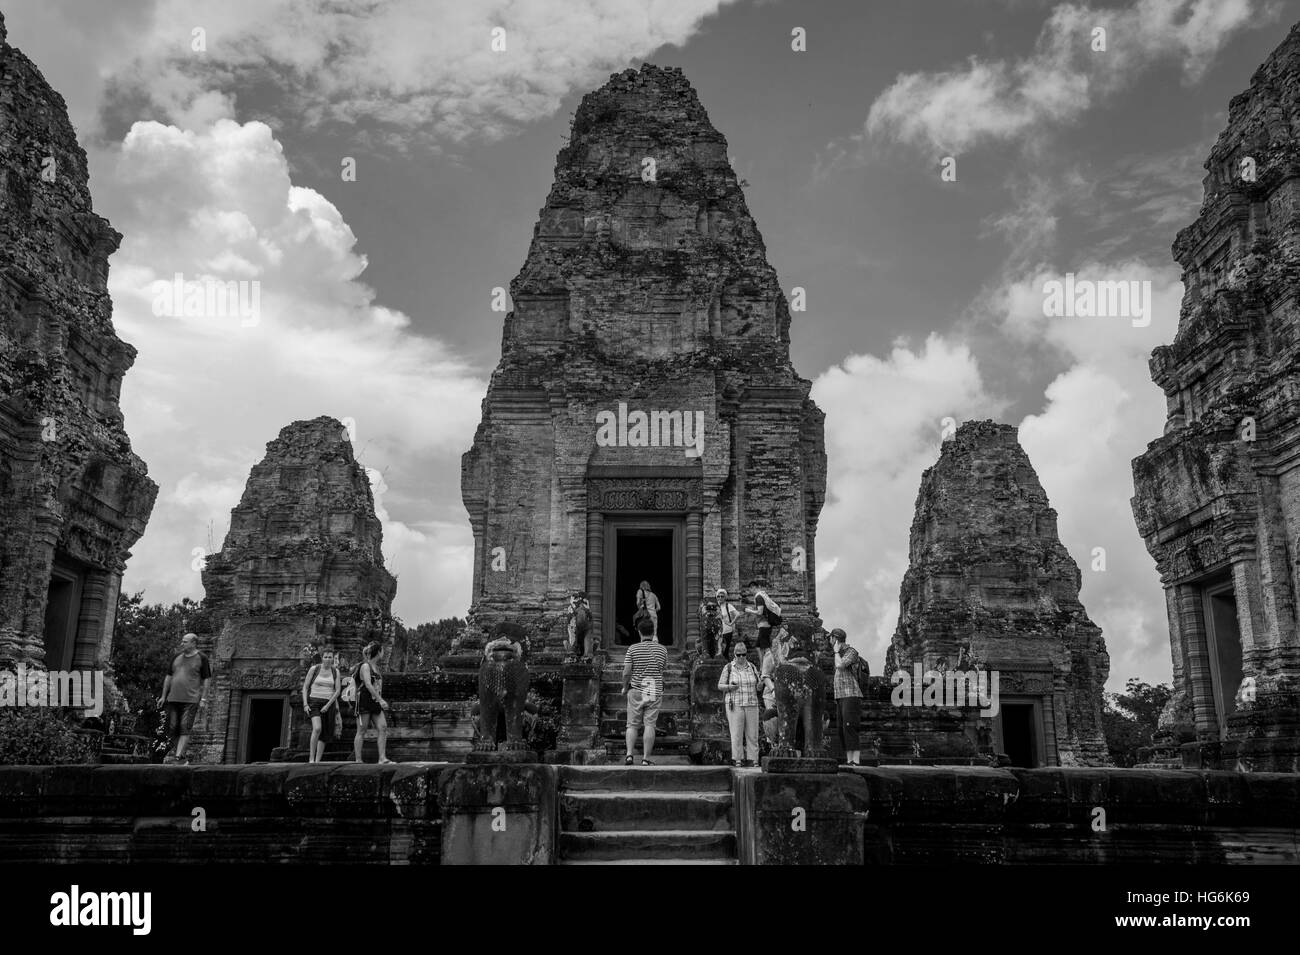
{"type": "Point", "coordinates": [646, 290]}
{"type": "Point", "coordinates": [645, 422]}
{"type": "Point", "coordinates": [301, 571]}
{"type": "Point", "coordinates": [1218, 496]}
{"type": "Point", "coordinates": [73, 497]}
{"type": "Point", "coordinates": [990, 587]}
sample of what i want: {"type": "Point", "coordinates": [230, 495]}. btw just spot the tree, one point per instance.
{"type": "Point", "coordinates": [146, 639]}
{"type": "Point", "coordinates": [1129, 719]}
{"type": "Point", "coordinates": [420, 647]}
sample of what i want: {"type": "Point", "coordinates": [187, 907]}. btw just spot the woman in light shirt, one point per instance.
{"type": "Point", "coordinates": [647, 601]}
{"type": "Point", "coordinates": [320, 696]}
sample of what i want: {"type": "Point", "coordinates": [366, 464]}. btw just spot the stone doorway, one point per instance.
{"type": "Point", "coordinates": [1020, 733]}
{"type": "Point", "coordinates": [652, 550]}
{"type": "Point", "coordinates": [266, 720]}
{"type": "Point", "coordinates": [1223, 640]}
{"type": "Point", "coordinates": [62, 610]}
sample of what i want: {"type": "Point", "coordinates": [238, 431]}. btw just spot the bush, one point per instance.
{"type": "Point", "coordinates": [38, 736]}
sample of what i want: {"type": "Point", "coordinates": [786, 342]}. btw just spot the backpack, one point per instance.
{"type": "Point", "coordinates": [861, 672]}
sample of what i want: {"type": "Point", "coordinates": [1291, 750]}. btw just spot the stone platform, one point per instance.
{"type": "Point", "coordinates": [431, 813]}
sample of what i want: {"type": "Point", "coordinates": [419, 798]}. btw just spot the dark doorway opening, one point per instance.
{"type": "Point", "coordinates": [1224, 647]}
{"type": "Point", "coordinates": [62, 608]}
{"type": "Point", "coordinates": [1019, 734]}
{"type": "Point", "coordinates": [644, 554]}
{"type": "Point", "coordinates": [265, 727]}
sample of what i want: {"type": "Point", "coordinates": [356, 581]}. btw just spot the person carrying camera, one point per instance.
{"type": "Point", "coordinates": [739, 681]}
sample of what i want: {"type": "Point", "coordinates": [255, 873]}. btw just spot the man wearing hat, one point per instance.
{"type": "Point", "coordinates": [848, 696]}
{"type": "Point", "coordinates": [739, 683]}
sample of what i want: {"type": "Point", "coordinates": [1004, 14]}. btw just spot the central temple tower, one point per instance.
{"type": "Point", "coordinates": [645, 421]}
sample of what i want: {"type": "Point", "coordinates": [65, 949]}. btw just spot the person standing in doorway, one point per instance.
{"type": "Point", "coordinates": [647, 601]}
{"type": "Point", "coordinates": [739, 681]}
{"type": "Point", "coordinates": [184, 694]}
{"type": "Point", "coordinates": [643, 683]}
{"type": "Point", "coordinates": [320, 701]}
{"type": "Point", "coordinates": [371, 705]}
{"type": "Point", "coordinates": [848, 696]}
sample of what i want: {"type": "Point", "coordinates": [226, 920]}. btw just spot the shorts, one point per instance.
{"type": "Point", "coordinates": [368, 704]}
{"type": "Point", "coordinates": [314, 709]}
{"type": "Point", "coordinates": [180, 718]}
{"type": "Point", "coordinates": [640, 709]}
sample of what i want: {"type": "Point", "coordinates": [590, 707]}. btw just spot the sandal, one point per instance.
{"type": "Point", "coordinates": [646, 762]}
{"type": "Point", "coordinates": [627, 761]}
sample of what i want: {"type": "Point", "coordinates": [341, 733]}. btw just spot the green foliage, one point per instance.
{"type": "Point", "coordinates": [146, 638]}
{"type": "Point", "coordinates": [1129, 719]}
{"type": "Point", "coordinates": [419, 648]}
{"type": "Point", "coordinates": [40, 736]}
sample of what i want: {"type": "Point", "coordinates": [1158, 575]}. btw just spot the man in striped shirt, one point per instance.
{"type": "Point", "coordinates": [643, 682]}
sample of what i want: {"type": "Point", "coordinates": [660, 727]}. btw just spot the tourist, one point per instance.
{"type": "Point", "coordinates": [648, 602]}
{"type": "Point", "coordinates": [848, 696]}
{"type": "Point", "coordinates": [643, 683]}
{"type": "Point", "coordinates": [347, 696]}
{"type": "Point", "coordinates": [769, 613]}
{"type": "Point", "coordinates": [740, 681]}
{"type": "Point", "coordinates": [371, 705]}
{"type": "Point", "coordinates": [184, 694]}
{"type": "Point", "coordinates": [727, 614]}
{"type": "Point", "coordinates": [320, 700]}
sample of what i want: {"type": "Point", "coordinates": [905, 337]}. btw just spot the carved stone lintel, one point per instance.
{"type": "Point", "coordinates": [644, 494]}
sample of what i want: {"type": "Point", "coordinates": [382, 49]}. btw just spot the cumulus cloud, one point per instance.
{"type": "Point", "coordinates": [421, 70]}
{"type": "Point", "coordinates": [884, 422]}
{"type": "Point", "coordinates": [208, 391]}
{"type": "Point", "coordinates": [987, 100]}
{"type": "Point", "coordinates": [1099, 414]}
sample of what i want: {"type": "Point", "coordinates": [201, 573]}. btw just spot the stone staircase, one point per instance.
{"type": "Point", "coordinates": [673, 729]}
{"type": "Point", "coordinates": [646, 815]}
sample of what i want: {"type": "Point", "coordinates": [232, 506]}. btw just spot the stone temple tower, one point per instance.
{"type": "Point", "coordinates": [645, 422]}
{"type": "Point", "coordinates": [989, 581]}
{"type": "Point", "coordinates": [1218, 496]}
{"type": "Point", "coordinates": [302, 567]}
{"type": "Point", "coordinates": [74, 498]}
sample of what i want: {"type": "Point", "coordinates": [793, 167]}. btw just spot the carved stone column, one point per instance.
{"type": "Point", "coordinates": [694, 577]}
{"type": "Point", "coordinates": [595, 574]}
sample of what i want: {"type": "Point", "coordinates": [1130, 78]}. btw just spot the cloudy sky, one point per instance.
{"type": "Point", "coordinates": [924, 295]}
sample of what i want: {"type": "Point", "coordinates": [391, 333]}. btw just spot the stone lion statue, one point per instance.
{"type": "Point", "coordinates": [503, 681]}
{"type": "Point", "coordinates": [800, 696]}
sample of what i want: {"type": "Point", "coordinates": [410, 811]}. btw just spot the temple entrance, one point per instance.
{"type": "Point", "coordinates": [266, 716]}
{"type": "Point", "coordinates": [1020, 735]}
{"type": "Point", "coordinates": [649, 550]}
{"type": "Point", "coordinates": [62, 608]}
{"type": "Point", "coordinates": [1223, 639]}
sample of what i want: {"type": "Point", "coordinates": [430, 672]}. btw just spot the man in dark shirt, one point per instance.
{"type": "Point", "coordinates": [183, 694]}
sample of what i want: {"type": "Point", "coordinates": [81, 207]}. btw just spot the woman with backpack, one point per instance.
{"type": "Point", "coordinates": [371, 705]}
{"type": "Point", "coordinates": [320, 696]}
{"type": "Point", "coordinates": [848, 696]}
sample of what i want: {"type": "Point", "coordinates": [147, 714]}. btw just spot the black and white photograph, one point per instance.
{"type": "Point", "coordinates": [508, 433]}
